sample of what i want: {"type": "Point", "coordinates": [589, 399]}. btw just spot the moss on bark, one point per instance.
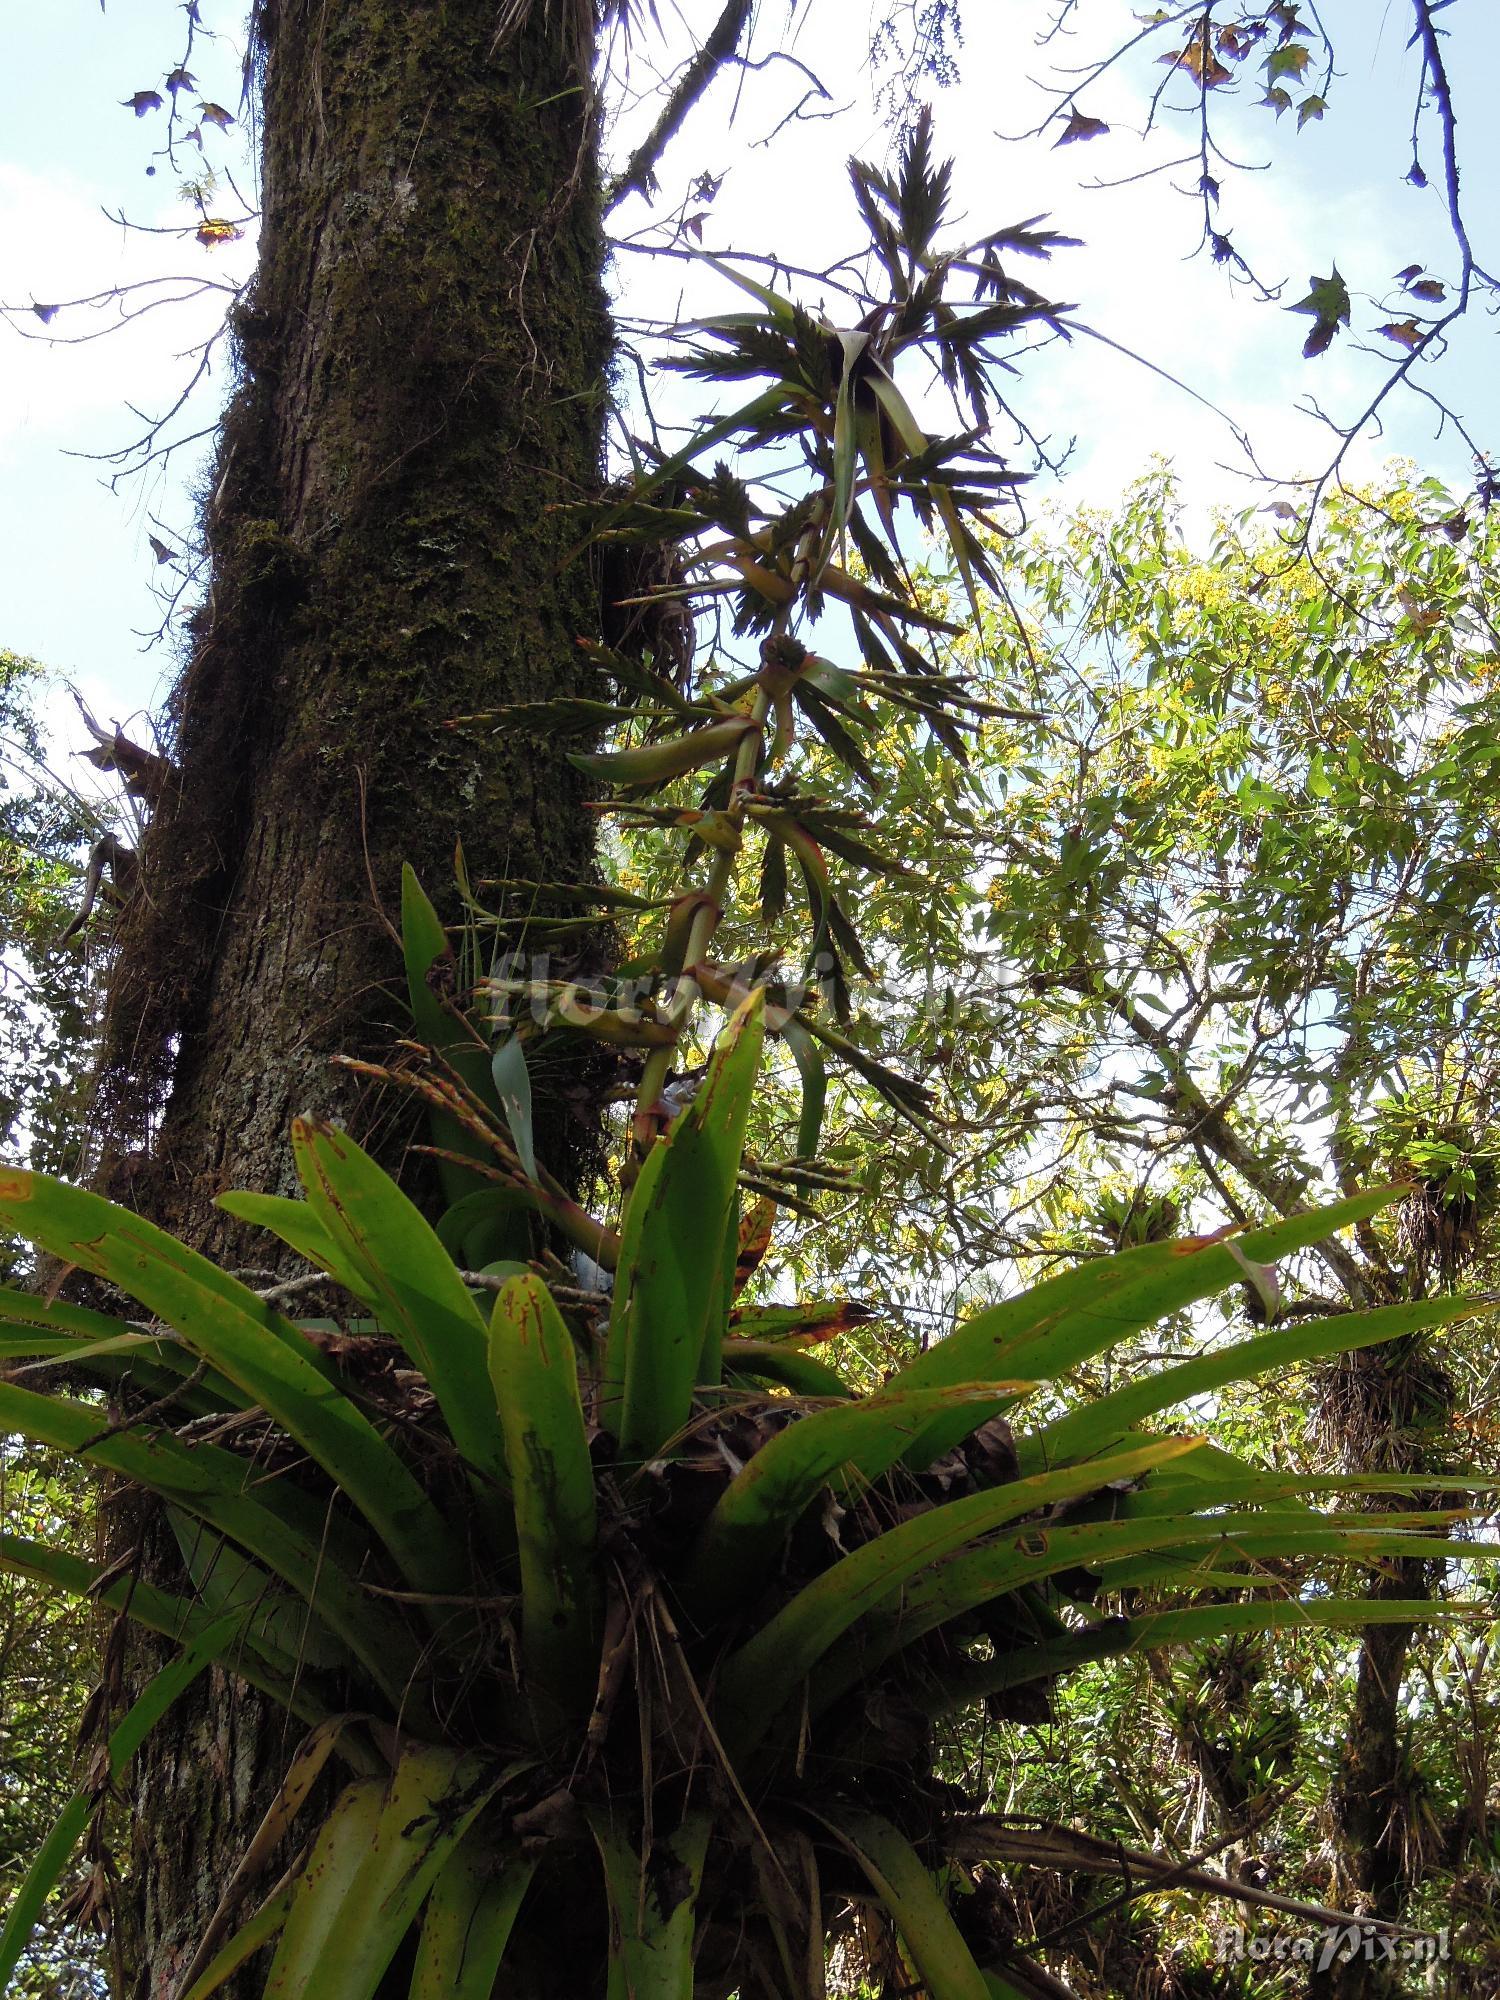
{"type": "Point", "coordinates": [422, 361]}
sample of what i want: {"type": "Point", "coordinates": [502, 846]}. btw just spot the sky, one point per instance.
{"type": "Point", "coordinates": [76, 562]}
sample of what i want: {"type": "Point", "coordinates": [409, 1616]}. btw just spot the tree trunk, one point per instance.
{"type": "Point", "coordinates": [422, 369]}
{"type": "Point", "coordinates": [422, 361]}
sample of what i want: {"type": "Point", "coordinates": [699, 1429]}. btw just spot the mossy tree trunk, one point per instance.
{"type": "Point", "coordinates": [422, 361]}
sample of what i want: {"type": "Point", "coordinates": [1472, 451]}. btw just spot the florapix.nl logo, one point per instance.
{"type": "Point", "coordinates": [1339, 1944]}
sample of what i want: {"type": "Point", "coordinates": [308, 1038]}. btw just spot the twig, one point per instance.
{"type": "Point", "coordinates": [639, 173]}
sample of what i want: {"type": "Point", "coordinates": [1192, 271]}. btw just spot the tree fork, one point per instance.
{"type": "Point", "coordinates": [422, 361]}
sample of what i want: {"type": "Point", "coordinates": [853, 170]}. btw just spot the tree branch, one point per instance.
{"type": "Point", "coordinates": [639, 173]}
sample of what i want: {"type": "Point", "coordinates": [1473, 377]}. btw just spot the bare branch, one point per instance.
{"type": "Point", "coordinates": [639, 173]}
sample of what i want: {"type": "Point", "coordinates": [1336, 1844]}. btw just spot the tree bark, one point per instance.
{"type": "Point", "coordinates": [422, 361]}
{"type": "Point", "coordinates": [422, 364]}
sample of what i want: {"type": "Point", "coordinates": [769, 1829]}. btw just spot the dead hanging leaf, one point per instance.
{"type": "Point", "coordinates": [215, 114]}
{"type": "Point", "coordinates": [1405, 332]}
{"type": "Point", "coordinates": [1421, 617]}
{"type": "Point", "coordinates": [180, 79]}
{"type": "Point", "coordinates": [1416, 176]}
{"type": "Point", "coordinates": [214, 229]}
{"type": "Point", "coordinates": [756, 1228]}
{"type": "Point", "coordinates": [160, 550]}
{"type": "Point", "coordinates": [1409, 271]}
{"type": "Point", "coordinates": [1079, 126]}
{"type": "Point", "coordinates": [143, 101]}
{"type": "Point", "coordinates": [143, 771]}
{"type": "Point", "coordinates": [1328, 302]}
{"type": "Point", "coordinates": [1431, 289]}
{"type": "Point", "coordinates": [1200, 62]}
{"type": "Point", "coordinates": [1454, 526]}
{"type": "Point", "coordinates": [45, 314]}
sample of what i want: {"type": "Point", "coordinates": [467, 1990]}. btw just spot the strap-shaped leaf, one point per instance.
{"type": "Point", "coordinates": [721, 1299]}
{"type": "Point", "coordinates": [252, 1654]}
{"type": "Point", "coordinates": [250, 1938]}
{"type": "Point", "coordinates": [654, 763]}
{"type": "Point", "coordinates": [904, 1885]}
{"type": "Point", "coordinates": [225, 1579]}
{"type": "Point", "coordinates": [535, 1378]}
{"type": "Point", "coordinates": [976, 1679]}
{"type": "Point", "coordinates": [255, 1346]}
{"type": "Point", "coordinates": [512, 1083]}
{"type": "Point", "coordinates": [1055, 1325]}
{"type": "Point", "coordinates": [653, 1904]}
{"type": "Point", "coordinates": [468, 1921]}
{"type": "Point", "coordinates": [297, 1784]}
{"type": "Point", "coordinates": [1096, 1423]}
{"type": "Point", "coordinates": [1354, 1538]}
{"type": "Point", "coordinates": [110, 1349]}
{"type": "Point", "coordinates": [787, 1367]}
{"type": "Point", "coordinates": [379, 1853]}
{"type": "Point", "coordinates": [478, 1226]}
{"type": "Point", "coordinates": [814, 1074]}
{"type": "Point", "coordinates": [979, 1576]}
{"type": "Point", "coordinates": [754, 1514]}
{"type": "Point", "coordinates": [761, 1677]}
{"type": "Point", "coordinates": [809, 1323]}
{"type": "Point", "coordinates": [297, 1225]}
{"type": "Point", "coordinates": [413, 1284]}
{"type": "Point", "coordinates": [671, 1280]}
{"type": "Point", "coordinates": [125, 1740]}
{"type": "Point", "coordinates": [769, 403]}
{"type": "Point", "coordinates": [1208, 1478]}
{"type": "Point", "coordinates": [274, 1522]}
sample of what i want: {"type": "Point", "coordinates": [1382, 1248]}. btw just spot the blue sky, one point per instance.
{"type": "Point", "coordinates": [77, 566]}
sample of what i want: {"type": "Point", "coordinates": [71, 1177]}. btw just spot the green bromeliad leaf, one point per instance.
{"type": "Point", "coordinates": [535, 1378]}
{"type": "Point", "coordinates": [412, 1283]}
{"type": "Point", "coordinates": [258, 1349]}
{"type": "Point", "coordinates": [285, 1529]}
{"type": "Point", "coordinates": [982, 1575]}
{"type": "Point", "coordinates": [212, 1643]}
{"type": "Point", "coordinates": [1067, 1319]}
{"type": "Point", "coordinates": [752, 1518]}
{"type": "Point", "coordinates": [759, 1679]}
{"type": "Point", "coordinates": [375, 1860]}
{"type": "Point", "coordinates": [905, 1886]}
{"type": "Point", "coordinates": [1099, 1422]}
{"type": "Point", "coordinates": [673, 1292]}
{"type": "Point", "coordinates": [964, 1686]}
{"type": "Point", "coordinates": [255, 1653]}
{"type": "Point", "coordinates": [468, 1921]}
